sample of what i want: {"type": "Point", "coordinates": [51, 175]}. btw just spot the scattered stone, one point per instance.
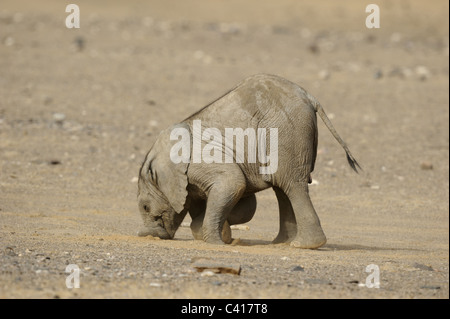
{"type": "Point", "coordinates": [285, 258]}
{"type": "Point", "coordinates": [8, 41]}
{"type": "Point", "coordinates": [47, 100]}
{"type": "Point", "coordinates": [54, 162]}
{"type": "Point", "coordinates": [370, 185]}
{"type": "Point", "coordinates": [426, 166]}
{"type": "Point", "coordinates": [317, 281]}
{"type": "Point", "coordinates": [324, 75]}
{"type": "Point", "coordinates": [298, 268]}
{"type": "Point", "coordinates": [422, 72]}
{"type": "Point", "coordinates": [218, 267]}
{"type": "Point", "coordinates": [10, 251]}
{"type": "Point", "coordinates": [279, 29]}
{"type": "Point", "coordinates": [80, 43]}
{"type": "Point", "coordinates": [423, 267]}
{"type": "Point", "coordinates": [155, 284]}
{"type": "Point", "coordinates": [59, 118]}
{"type": "Point", "coordinates": [396, 37]}
{"type": "Point", "coordinates": [208, 273]}
{"type": "Point", "coordinates": [314, 48]}
{"type": "Point", "coordinates": [378, 74]}
{"type": "Point", "coordinates": [239, 227]}
{"type": "Point", "coordinates": [42, 271]}
{"type": "Point", "coordinates": [430, 287]}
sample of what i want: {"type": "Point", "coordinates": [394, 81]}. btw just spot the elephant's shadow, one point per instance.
{"type": "Point", "coordinates": [326, 247]}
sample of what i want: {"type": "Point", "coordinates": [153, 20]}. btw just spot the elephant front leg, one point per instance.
{"type": "Point", "coordinates": [223, 196]}
{"type": "Point", "coordinates": [309, 232]}
{"type": "Point", "coordinates": [288, 224]}
{"type": "Point", "coordinates": [197, 212]}
{"type": "Point", "coordinates": [197, 229]}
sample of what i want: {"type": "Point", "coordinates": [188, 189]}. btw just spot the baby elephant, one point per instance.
{"type": "Point", "coordinates": [261, 134]}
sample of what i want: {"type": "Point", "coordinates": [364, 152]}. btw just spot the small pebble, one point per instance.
{"type": "Point", "coordinates": [422, 72]}
{"type": "Point", "coordinates": [10, 251]}
{"type": "Point", "coordinates": [207, 274]}
{"type": "Point", "coordinates": [426, 166]}
{"type": "Point", "coordinates": [59, 118]}
{"type": "Point", "coordinates": [378, 74]}
{"type": "Point", "coordinates": [324, 75]}
{"type": "Point", "coordinates": [423, 267]}
{"type": "Point", "coordinates": [8, 41]}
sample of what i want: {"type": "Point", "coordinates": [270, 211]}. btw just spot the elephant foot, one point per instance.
{"type": "Point", "coordinates": [226, 233]}
{"type": "Point", "coordinates": [311, 241]}
{"type": "Point", "coordinates": [286, 235]}
{"type": "Point", "coordinates": [226, 236]}
{"type": "Point", "coordinates": [197, 232]}
{"type": "Point", "coordinates": [280, 239]}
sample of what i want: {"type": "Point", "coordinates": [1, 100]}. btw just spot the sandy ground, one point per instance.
{"type": "Point", "coordinates": [79, 109]}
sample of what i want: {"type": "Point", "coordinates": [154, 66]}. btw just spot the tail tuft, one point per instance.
{"type": "Point", "coordinates": [353, 163]}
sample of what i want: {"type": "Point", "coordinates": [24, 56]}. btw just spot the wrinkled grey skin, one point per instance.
{"type": "Point", "coordinates": [219, 194]}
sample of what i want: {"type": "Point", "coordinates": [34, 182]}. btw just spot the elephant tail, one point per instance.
{"type": "Point", "coordinates": [351, 160]}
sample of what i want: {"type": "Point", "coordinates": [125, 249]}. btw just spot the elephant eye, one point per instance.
{"type": "Point", "coordinates": [146, 208]}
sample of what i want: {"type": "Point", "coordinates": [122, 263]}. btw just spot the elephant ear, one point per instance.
{"type": "Point", "coordinates": [171, 161]}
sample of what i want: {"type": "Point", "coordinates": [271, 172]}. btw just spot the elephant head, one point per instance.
{"type": "Point", "coordinates": [162, 189]}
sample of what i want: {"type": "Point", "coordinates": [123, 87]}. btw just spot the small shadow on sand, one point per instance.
{"type": "Point", "coordinates": [326, 247]}
{"type": "Point", "coordinates": [333, 247]}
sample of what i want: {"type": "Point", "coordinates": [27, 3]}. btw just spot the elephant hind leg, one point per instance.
{"type": "Point", "coordinates": [309, 231]}
{"type": "Point", "coordinates": [288, 224]}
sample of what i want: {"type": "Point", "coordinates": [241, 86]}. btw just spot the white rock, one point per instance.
{"type": "Point", "coordinates": [9, 41]}
{"type": "Point", "coordinates": [59, 117]}
{"type": "Point", "coordinates": [207, 274]}
{"type": "Point", "coordinates": [324, 75]}
{"type": "Point", "coordinates": [423, 72]}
